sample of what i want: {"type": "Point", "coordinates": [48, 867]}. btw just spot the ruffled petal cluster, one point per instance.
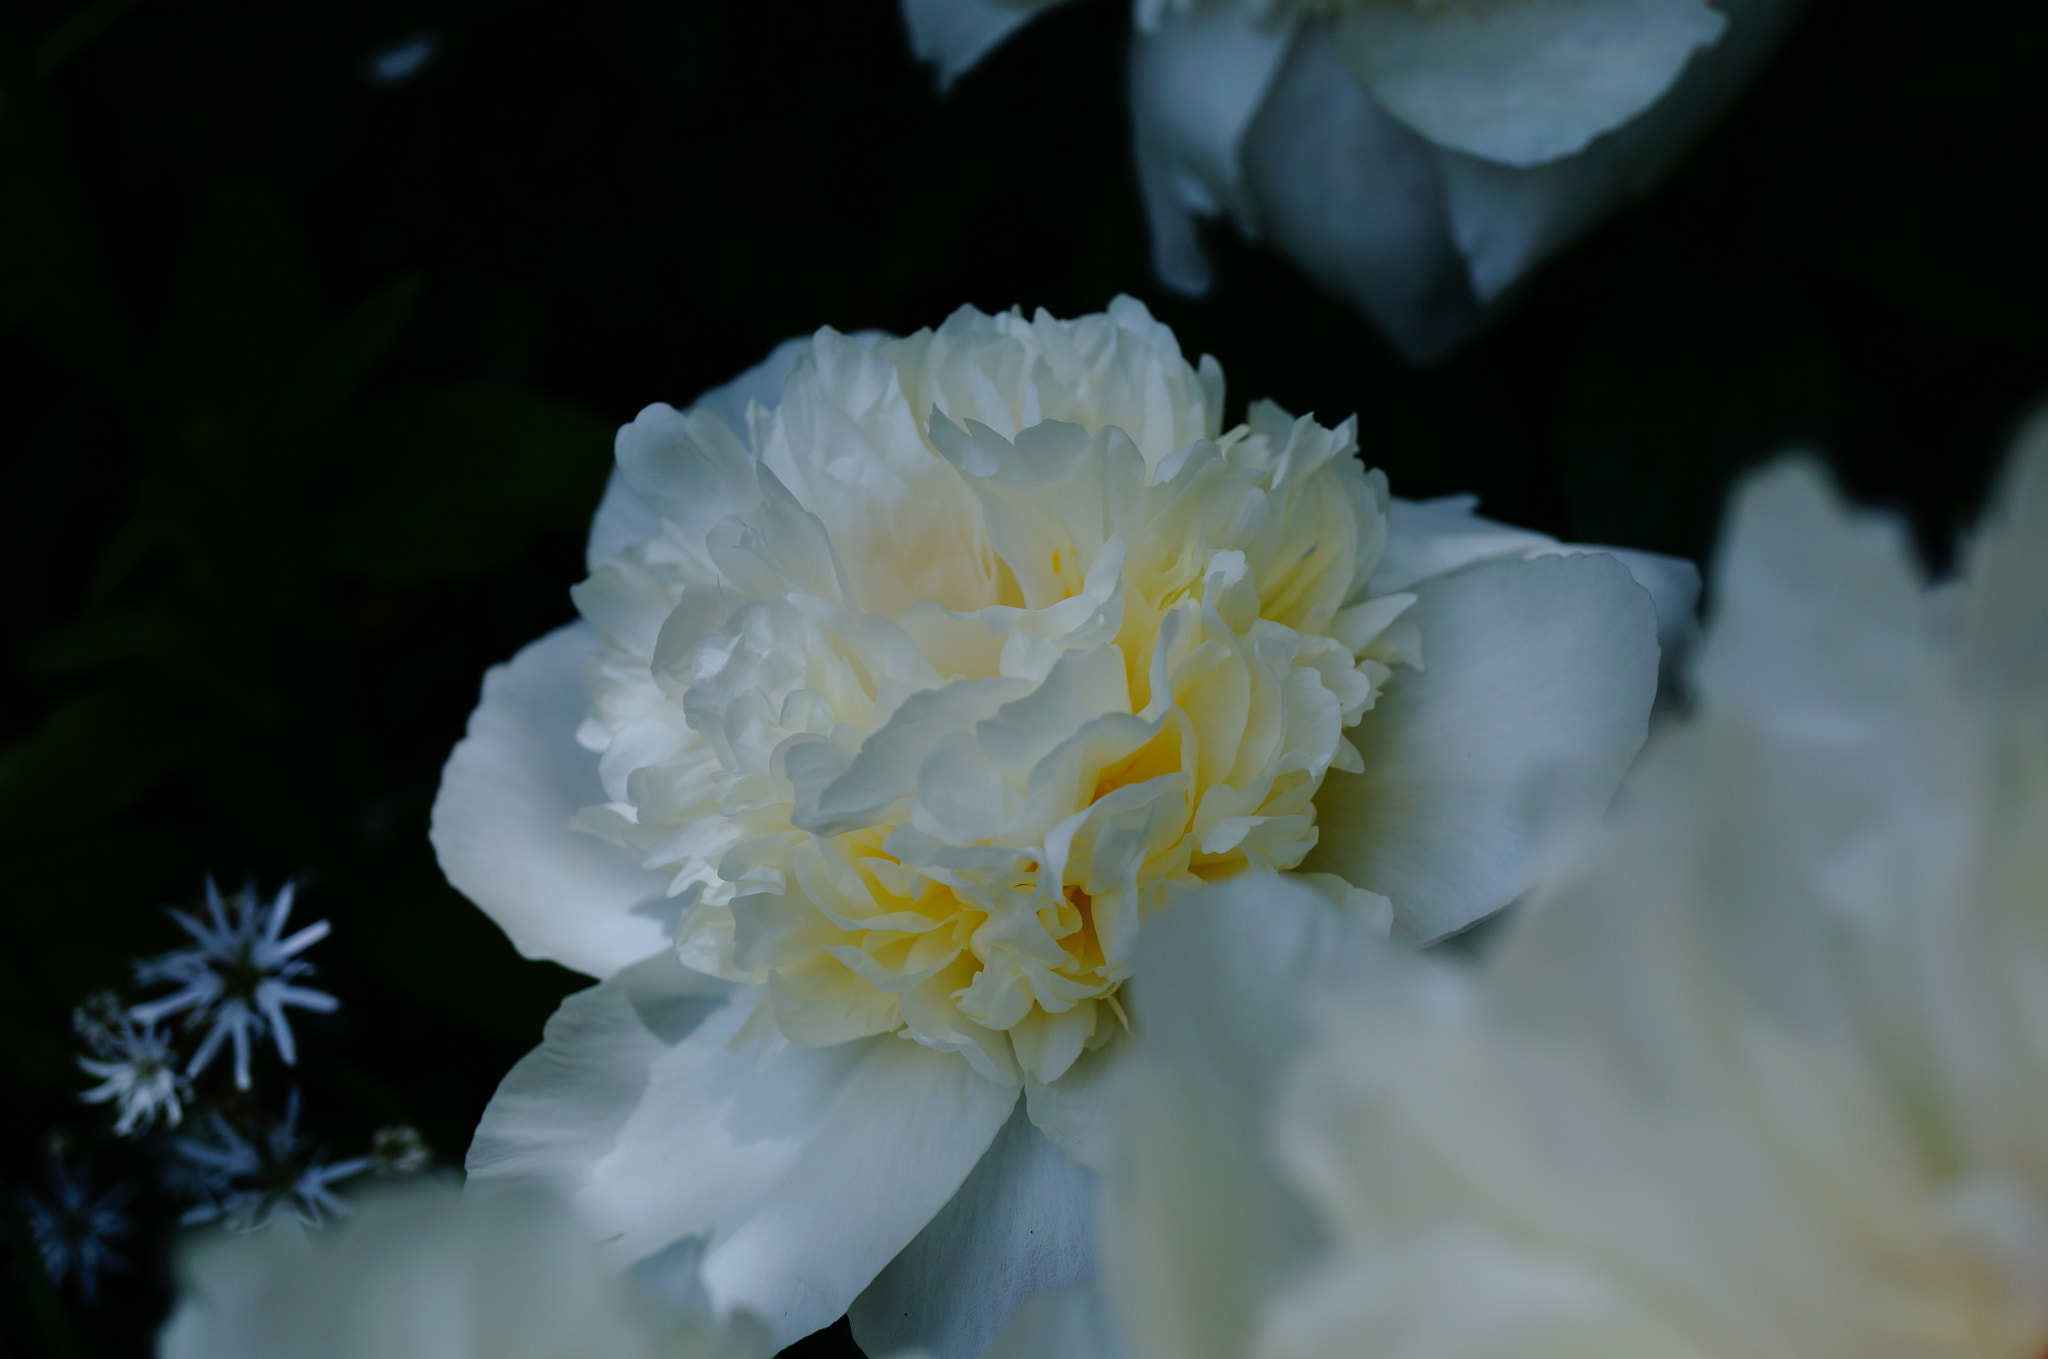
{"type": "Point", "coordinates": [917, 680]}
{"type": "Point", "coordinates": [924, 717]}
{"type": "Point", "coordinates": [1418, 157]}
{"type": "Point", "coordinates": [1759, 1072]}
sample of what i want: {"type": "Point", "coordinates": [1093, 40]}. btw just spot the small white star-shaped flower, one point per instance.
{"type": "Point", "coordinates": [135, 1063]}
{"type": "Point", "coordinates": [238, 977]}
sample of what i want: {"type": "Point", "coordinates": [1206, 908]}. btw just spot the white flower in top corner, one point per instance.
{"type": "Point", "coordinates": [238, 977]}
{"type": "Point", "coordinates": [136, 1066]}
{"type": "Point", "coordinates": [423, 1271]}
{"type": "Point", "coordinates": [909, 691]}
{"type": "Point", "coordinates": [1759, 1072]}
{"type": "Point", "coordinates": [1418, 157]}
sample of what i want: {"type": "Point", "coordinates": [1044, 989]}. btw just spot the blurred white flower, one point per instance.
{"type": "Point", "coordinates": [136, 1065]}
{"type": "Point", "coordinates": [238, 978]}
{"type": "Point", "coordinates": [1760, 1072]}
{"type": "Point", "coordinates": [421, 1272]}
{"type": "Point", "coordinates": [902, 713]}
{"type": "Point", "coordinates": [244, 1180]}
{"type": "Point", "coordinates": [1418, 157]}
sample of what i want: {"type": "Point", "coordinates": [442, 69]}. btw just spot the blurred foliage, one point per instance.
{"type": "Point", "coordinates": [317, 315]}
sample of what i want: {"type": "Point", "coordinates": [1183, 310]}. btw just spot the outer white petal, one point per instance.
{"type": "Point", "coordinates": [1199, 1229]}
{"type": "Point", "coordinates": [1522, 82]}
{"type": "Point", "coordinates": [1022, 1223]}
{"type": "Point", "coordinates": [501, 820]}
{"type": "Point", "coordinates": [1433, 537]}
{"type": "Point", "coordinates": [1535, 696]}
{"type": "Point", "coordinates": [806, 1170]}
{"type": "Point", "coordinates": [1356, 199]}
{"type": "Point", "coordinates": [1197, 77]}
{"type": "Point", "coordinates": [1508, 219]}
{"type": "Point", "coordinates": [955, 34]}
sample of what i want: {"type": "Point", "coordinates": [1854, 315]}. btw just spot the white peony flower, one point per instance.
{"type": "Point", "coordinates": [1418, 157]}
{"type": "Point", "coordinates": [421, 1272]}
{"type": "Point", "coordinates": [900, 707]}
{"type": "Point", "coordinates": [1761, 1072]}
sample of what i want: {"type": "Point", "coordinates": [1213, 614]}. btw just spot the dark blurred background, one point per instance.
{"type": "Point", "coordinates": [316, 317]}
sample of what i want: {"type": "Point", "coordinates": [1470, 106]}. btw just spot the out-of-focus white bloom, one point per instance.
{"type": "Point", "coordinates": [421, 1272]}
{"type": "Point", "coordinates": [75, 1228]}
{"type": "Point", "coordinates": [244, 1180]}
{"type": "Point", "coordinates": [1760, 1072]}
{"type": "Point", "coordinates": [136, 1065]}
{"type": "Point", "coordinates": [1417, 157]}
{"type": "Point", "coordinates": [238, 977]}
{"type": "Point", "coordinates": [909, 693]}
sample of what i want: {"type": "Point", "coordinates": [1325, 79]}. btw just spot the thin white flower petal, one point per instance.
{"type": "Point", "coordinates": [1522, 82]}
{"type": "Point", "coordinates": [1434, 537]}
{"type": "Point", "coordinates": [953, 35]}
{"type": "Point", "coordinates": [1535, 695]}
{"type": "Point", "coordinates": [1355, 198]}
{"type": "Point", "coordinates": [1193, 1194]}
{"type": "Point", "coordinates": [1197, 78]}
{"type": "Point", "coordinates": [1077, 1111]}
{"type": "Point", "coordinates": [806, 1169]}
{"type": "Point", "coordinates": [501, 820]}
{"type": "Point", "coordinates": [1022, 1223]}
{"type": "Point", "coordinates": [1507, 219]}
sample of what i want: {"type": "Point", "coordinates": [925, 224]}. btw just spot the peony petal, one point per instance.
{"type": "Point", "coordinates": [1355, 198]}
{"type": "Point", "coordinates": [1022, 1223]}
{"type": "Point", "coordinates": [1197, 77]}
{"type": "Point", "coordinates": [1434, 537]}
{"type": "Point", "coordinates": [1507, 219]}
{"type": "Point", "coordinates": [622, 519]}
{"type": "Point", "coordinates": [501, 820]}
{"type": "Point", "coordinates": [807, 1169]}
{"type": "Point", "coordinates": [1522, 82]}
{"type": "Point", "coordinates": [1198, 1229]}
{"type": "Point", "coordinates": [1076, 1111]}
{"type": "Point", "coordinates": [955, 34]}
{"type": "Point", "coordinates": [1536, 695]}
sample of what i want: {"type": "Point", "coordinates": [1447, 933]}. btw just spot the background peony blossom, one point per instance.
{"type": "Point", "coordinates": [1759, 1072]}
{"type": "Point", "coordinates": [426, 1273]}
{"type": "Point", "coordinates": [892, 721]}
{"type": "Point", "coordinates": [1417, 157]}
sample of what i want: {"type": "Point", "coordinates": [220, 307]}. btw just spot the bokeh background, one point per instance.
{"type": "Point", "coordinates": [316, 317]}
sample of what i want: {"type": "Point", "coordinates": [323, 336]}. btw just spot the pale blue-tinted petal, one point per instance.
{"type": "Point", "coordinates": [1022, 1223]}
{"type": "Point", "coordinates": [1434, 537]}
{"type": "Point", "coordinates": [1354, 197]}
{"type": "Point", "coordinates": [1197, 78]}
{"type": "Point", "coordinates": [1535, 694]}
{"type": "Point", "coordinates": [501, 820]}
{"type": "Point", "coordinates": [806, 1170]}
{"type": "Point", "coordinates": [1508, 219]}
{"type": "Point", "coordinates": [1522, 82]}
{"type": "Point", "coordinates": [1077, 1110]}
{"type": "Point", "coordinates": [955, 34]}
